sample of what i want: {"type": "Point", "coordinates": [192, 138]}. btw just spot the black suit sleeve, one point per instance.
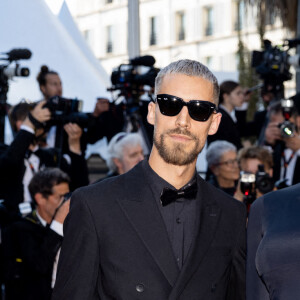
{"type": "Point", "coordinates": [77, 170]}
{"type": "Point", "coordinates": [78, 268]}
{"type": "Point", "coordinates": [255, 288]}
{"type": "Point", "coordinates": [237, 281]}
{"type": "Point", "coordinates": [14, 154]}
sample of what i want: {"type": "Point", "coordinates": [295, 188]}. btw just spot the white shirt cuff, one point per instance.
{"type": "Point", "coordinates": [57, 227]}
{"type": "Point", "coordinates": [27, 128]}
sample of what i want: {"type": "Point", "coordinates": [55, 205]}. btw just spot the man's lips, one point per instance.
{"type": "Point", "coordinates": [181, 137]}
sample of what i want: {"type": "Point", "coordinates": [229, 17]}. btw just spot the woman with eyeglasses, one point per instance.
{"type": "Point", "coordinates": [231, 96]}
{"type": "Point", "coordinates": [222, 161]}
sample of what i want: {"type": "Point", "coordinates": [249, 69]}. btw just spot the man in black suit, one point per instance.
{"type": "Point", "coordinates": [159, 231]}
{"type": "Point", "coordinates": [31, 245]}
{"type": "Point", "coordinates": [23, 158]}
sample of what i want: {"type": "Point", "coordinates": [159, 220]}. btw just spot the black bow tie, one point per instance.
{"type": "Point", "coordinates": [188, 192]}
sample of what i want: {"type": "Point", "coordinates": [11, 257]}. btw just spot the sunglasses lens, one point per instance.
{"type": "Point", "coordinates": [200, 111]}
{"type": "Point", "coordinates": [169, 106]}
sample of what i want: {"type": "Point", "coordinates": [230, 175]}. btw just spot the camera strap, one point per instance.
{"type": "Point", "coordinates": [37, 124]}
{"type": "Point", "coordinates": [286, 162]}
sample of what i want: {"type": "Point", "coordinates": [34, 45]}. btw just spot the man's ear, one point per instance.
{"type": "Point", "coordinates": [39, 199]}
{"type": "Point", "coordinates": [216, 119]}
{"type": "Point", "coordinates": [18, 124]}
{"type": "Point", "coordinates": [43, 89]}
{"type": "Point", "coordinates": [151, 113]}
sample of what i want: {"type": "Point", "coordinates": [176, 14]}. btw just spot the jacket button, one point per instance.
{"type": "Point", "coordinates": [140, 288]}
{"type": "Point", "coordinates": [213, 287]}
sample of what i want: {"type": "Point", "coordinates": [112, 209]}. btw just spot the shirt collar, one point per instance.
{"type": "Point", "coordinates": [43, 222]}
{"type": "Point", "coordinates": [231, 114]}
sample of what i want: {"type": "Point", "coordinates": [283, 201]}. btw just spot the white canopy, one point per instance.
{"type": "Point", "coordinates": [30, 24]}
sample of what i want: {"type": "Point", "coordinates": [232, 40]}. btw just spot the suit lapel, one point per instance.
{"type": "Point", "coordinates": [141, 210]}
{"type": "Point", "coordinates": [209, 217]}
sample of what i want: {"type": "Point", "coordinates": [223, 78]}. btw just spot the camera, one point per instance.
{"type": "Point", "coordinates": [264, 182]}
{"type": "Point", "coordinates": [129, 78]}
{"type": "Point", "coordinates": [130, 74]}
{"type": "Point", "coordinates": [250, 182]}
{"type": "Point", "coordinates": [247, 183]}
{"type": "Point", "coordinates": [7, 72]}
{"type": "Point", "coordinates": [273, 65]}
{"type": "Point", "coordinates": [287, 128]}
{"type": "Point", "coordinates": [65, 110]}
{"type": "Point", "coordinates": [274, 62]}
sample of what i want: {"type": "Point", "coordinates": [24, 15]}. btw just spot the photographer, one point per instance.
{"type": "Point", "coordinates": [31, 245]}
{"type": "Point", "coordinates": [282, 134]}
{"type": "Point", "coordinates": [23, 158]}
{"type": "Point", "coordinates": [106, 120]}
{"type": "Point", "coordinates": [256, 161]}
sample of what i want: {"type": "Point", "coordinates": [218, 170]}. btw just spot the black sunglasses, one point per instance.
{"type": "Point", "coordinates": [171, 106]}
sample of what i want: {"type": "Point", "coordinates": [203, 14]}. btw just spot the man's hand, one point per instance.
{"type": "Point", "coordinates": [101, 106]}
{"type": "Point", "coordinates": [40, 113]}
{"type": "Point", "coordinates": [74, 133]}
{"type": "Point", "coordinates": [62, 212]}
{"type": "Point", "coordinates": [293, 143]}
{"type": "Point", "coordinates": [272, 133]}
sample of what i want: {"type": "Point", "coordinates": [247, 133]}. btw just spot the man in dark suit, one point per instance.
{"type": "Point", "coordinates": [23, 158]}
{"type": "Point", "coordinates": [159, 231]}
{"type": "Point", "coordinates": [31, 245]}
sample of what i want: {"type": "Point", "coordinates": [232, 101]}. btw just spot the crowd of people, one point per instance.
{"type": "Point", "coordinates": [114, 228]}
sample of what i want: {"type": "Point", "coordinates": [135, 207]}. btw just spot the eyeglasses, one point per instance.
{"type": "Point", "coordinates": [230, 163]}
{"type": "Point", "coordinates": [171, 106]}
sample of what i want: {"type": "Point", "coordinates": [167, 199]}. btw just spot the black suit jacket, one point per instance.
{"type": "Point", "coordinates": [116, 246]}
{"type": "Point", "coordinates": [29, 253]}
{"type": "Point", "coordinates": [12, 168]}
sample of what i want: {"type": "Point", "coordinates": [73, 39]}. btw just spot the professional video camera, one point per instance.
{"type": "Point", "coordinates": [7, 72]}
{"type": "Point", "coordinates": [250, 182]}
{"type": "Point", "coordinates": [273, 65]}
{"type": "Point", "coordinates": [130, 81]}
{"type": "Point", "coordinates": [129, 78]}
{"type": "Point", "coordinates": [66, 110]}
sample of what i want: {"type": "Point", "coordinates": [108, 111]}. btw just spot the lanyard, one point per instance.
{"type": "Point", "coordinates": [286, 162]}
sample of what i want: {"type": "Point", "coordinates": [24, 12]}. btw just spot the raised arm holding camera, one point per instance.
{"type": "Point", "coordinates": [23, 158]}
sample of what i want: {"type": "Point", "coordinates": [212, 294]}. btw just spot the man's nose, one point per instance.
{"type": "Point", "coordinates": [183, 118]}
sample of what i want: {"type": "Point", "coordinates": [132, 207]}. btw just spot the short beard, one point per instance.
{"type": "Point", "coordinates": [177, 155]}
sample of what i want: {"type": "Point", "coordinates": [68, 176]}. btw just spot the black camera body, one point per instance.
{"type": "Point", "coordinates": [261, 181]}
{"type": "Point", "coordinates": [273, 65]}
{"type": "Point", "coordinates": [65, 110]}
{"type": "Point", "coordinates": [131, 75]}
{"type": "Point", "coordinates": [287, 128]}
{"type": "Point", "coordinates": [130, 78]}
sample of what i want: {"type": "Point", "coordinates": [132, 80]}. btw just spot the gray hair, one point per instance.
{"type": "Point", "coordinates": [117, 144]}
{"type": "Point", "coordinates": [216, 150]}
{"type": "Point", "coordinates": [190, 68]}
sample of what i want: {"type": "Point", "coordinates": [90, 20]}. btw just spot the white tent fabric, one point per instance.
{"type": "Point", "coordinates": [30, 24]}
{"type": "Point", "coordinates": [67, 21]}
